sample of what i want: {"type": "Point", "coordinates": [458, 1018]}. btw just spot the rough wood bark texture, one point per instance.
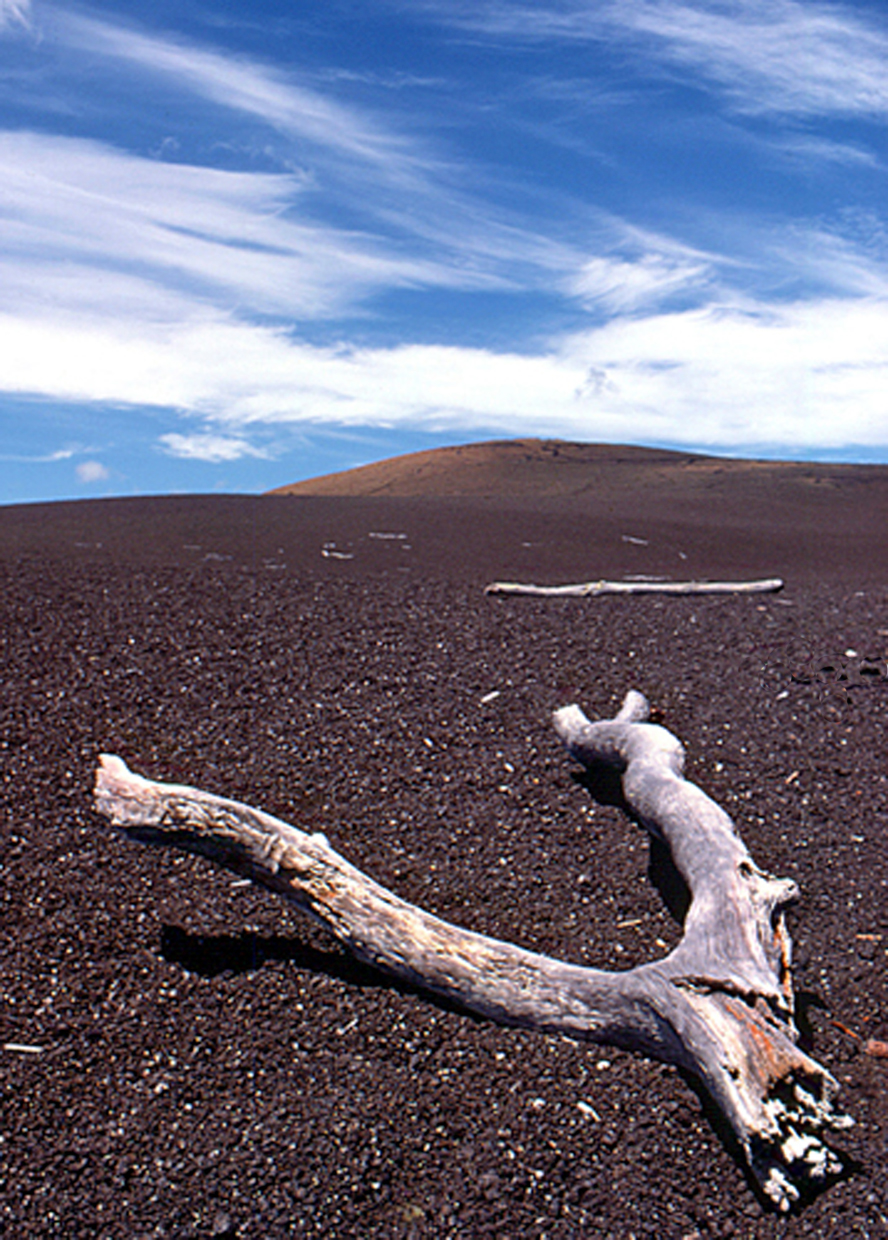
{"type": "Point", "coordinates": [591, 589]}
{"type": "Point", "coordinates": [719, 1006]}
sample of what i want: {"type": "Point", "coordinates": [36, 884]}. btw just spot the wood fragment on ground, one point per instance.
{"type": "Point", "coordinates": [592, 589]}
{"type": "Point", "coordinates": [720, 1005]}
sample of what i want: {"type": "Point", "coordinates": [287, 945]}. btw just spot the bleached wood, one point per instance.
{"type": "Point", "coordinates": [591, 589]}
{"type": "Point", "coordinates": [719, 1006]}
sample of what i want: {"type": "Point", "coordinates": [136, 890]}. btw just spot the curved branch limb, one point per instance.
{"type": "Point", "coordinates": [732, 965]}
{"type": "Point", "coordinates": [484, 975]}
{"type": "Point", "coordinates": [750, 951]}
{"type": "Point", "coordinates": [718, 1006]}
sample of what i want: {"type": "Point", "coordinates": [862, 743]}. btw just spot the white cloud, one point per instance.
{"type": "Point", "coordinates": [14, 13]}
{"type": "Point", "coordinates": [773, 55]}
{"type": "Point", "coordinates": [61, 454]}
{"type": "Point", "coordinates": [812, 373]}
{"type": "Point", "coordinates": [208, 447]}
{"type": "Point", "coordinates": [621, 285]}
{"type": "Point", "coordinates": [242, 85]}
{"type": "Point", "coordinates": [83, 221]}
{"type": "Point", "coordinates": [397, 183]}
{"type": "Point", "coordinates": [827, 259]}
{"type": "Point", "coordinates": [781, 56]}
{"type": "Point", "coordinates": [812, 150]}
{"type": "Point", "coordinates": [92, 471]}
{"type": "Point", "coordinates": [91, 229]}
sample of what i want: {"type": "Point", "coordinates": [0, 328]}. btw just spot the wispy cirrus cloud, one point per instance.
{"type": "Point", "coordinates": [43, 458]}
{"type": "Point", "coordinates": [845, 264]}
{"type": "Point", "coordinates": [782, 56]}
{"type": "Point", "coordinates": [622, 285]}
{"type": "Point", "coordinates": [86, 224]}
{"type": "Point", "coordinates": [423, 221]}
{"type": "Point", "coordinates": [808, 150]}
{"type": "Point", "coordinates": [411, 197]}
{"type": "Point", "coordinates": [766, 56]}
{"type": "Point", "coordinates": [243, 85]}
{"type": "Point", "coordinates": [14, 13]}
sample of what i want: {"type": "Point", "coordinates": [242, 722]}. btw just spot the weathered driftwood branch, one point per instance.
{"type": "Point", "coordinates": [591, 589]}
{"type": "Point", "coordinates": [719, 1005]}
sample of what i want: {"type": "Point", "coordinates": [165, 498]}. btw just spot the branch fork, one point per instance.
{"type": "Point", "coordinates": [719, 1006]}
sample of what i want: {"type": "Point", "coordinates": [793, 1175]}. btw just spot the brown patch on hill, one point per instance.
{"type": "Point", "coordinates": [526, 467]}
{"type": "Point", "coordinates": [533, 469]}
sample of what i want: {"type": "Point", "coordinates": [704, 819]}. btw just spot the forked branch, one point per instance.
{"type": "Point", "coordinates": [719, 1006]}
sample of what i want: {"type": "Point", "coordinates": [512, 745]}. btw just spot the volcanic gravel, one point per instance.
{"type": "Point", "coordinates": [187, 1056]}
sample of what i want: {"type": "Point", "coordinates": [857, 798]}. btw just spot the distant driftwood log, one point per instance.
{"type": "Point", "coordinates": [591, 589]}
{"type": "Point", "coordinates": [720, 1005]}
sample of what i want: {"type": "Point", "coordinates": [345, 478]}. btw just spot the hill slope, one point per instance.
{"type": "Point", "coordinates": [507, 467]}
{"type": "Point", "coordinates": [552, 469]}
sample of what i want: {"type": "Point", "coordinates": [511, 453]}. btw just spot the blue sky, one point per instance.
{"type": "Point", "coordinates": [242, 244]}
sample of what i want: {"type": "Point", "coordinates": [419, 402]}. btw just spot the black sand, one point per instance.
{"type": "Point", "coordinates": [209, 1063]}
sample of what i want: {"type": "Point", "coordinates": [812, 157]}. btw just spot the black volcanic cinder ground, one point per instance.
{"type": "Point", "coordinates": [209, 1063]}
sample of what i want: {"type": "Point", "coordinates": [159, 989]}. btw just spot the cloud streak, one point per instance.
{"type": "Point", "coordinates": [724, 376]}
{"type": "Point", "coordinates": [14, 13]}
{"type": "Point", "coordinates": [62, 454]}
{"type": "Point", "coordinates": [241, 85]}
{"type": "Point", "coordinates": [72, 206]}
{"type": "Point", "coordinates": [404, 189]}
{"type": "Point", "coordinates": [773, 55]}
{"type": "Point", "coordinates": [621, 285]}
{"type": "Point", "coordinates": [766, 56]}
